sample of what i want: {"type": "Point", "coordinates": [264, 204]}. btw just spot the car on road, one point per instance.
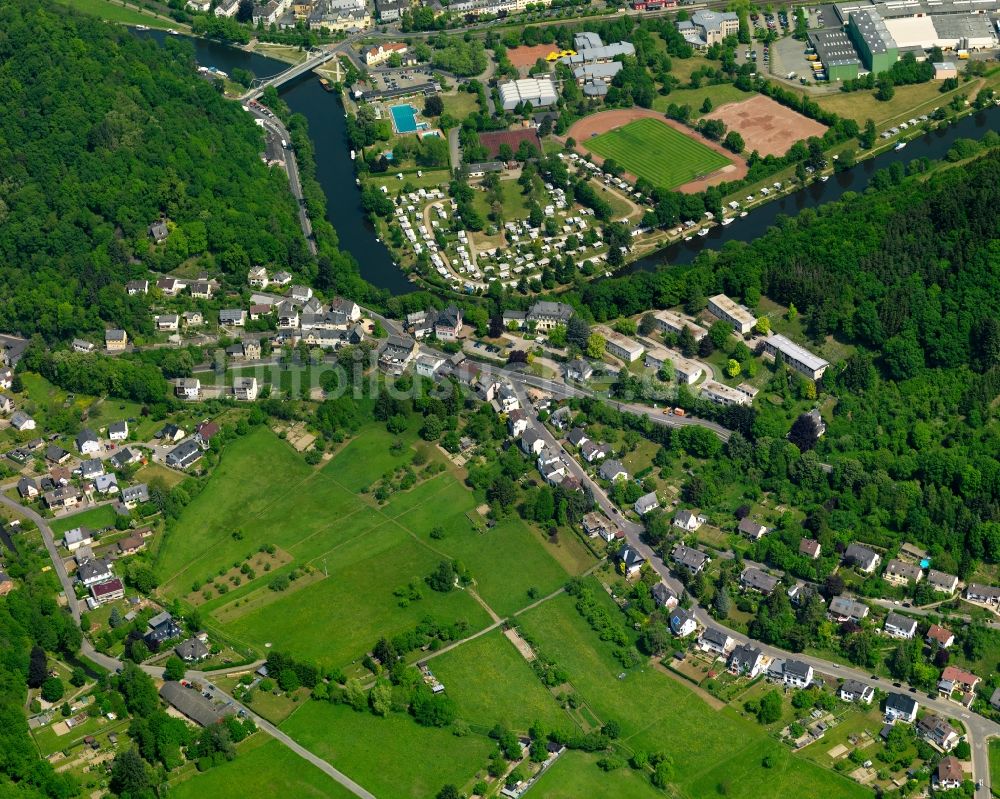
{"type": "Point", "coordinates": [897, 685]}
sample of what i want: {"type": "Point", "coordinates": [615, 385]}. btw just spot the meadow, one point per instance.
{"type": "Point", "coordinates": [715, 752]}
{"type": "Point", "coordinates": [354, 552]}
{"type": "Point", "coordinates": [655, 151]}
{"type": "Point", "coordinates": [263, 767]}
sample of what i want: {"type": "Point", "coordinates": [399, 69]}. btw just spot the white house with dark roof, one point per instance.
{"type": "Point", "coordinates": [20, 421]}
{"type": "Point", "coordinates": [87, 442]}
{"type": "Point", "coordinates": [942, 581]}
{"type": "Point", "coordinates": [900, 707]}
{"type": "Point", "coordinates": [856, 691]}
{"type": "Point", "coordinates": [630, 561]}
{"type": "Point", "coordinates": [899, 626]}
{"type": "Point", "coordinates": [899, 572]}
{"type": "Point", "coordinates": [664, 596]}
{"type": "Point", "coordinates": [688, 520]}
{"type": "Point", "coordinates": [118, 431]}
{"type": "Point", "coordinates": [612, 470]}
{"type": "Point", "coordinates": [753, 578]}
{"type": "Point", "coordinates": [810, 548]}
{"type": "Point", "coordinates": [531, 443]}
{"type": "Point", "coordinates": [682, 622]}
{"type": "Point", "coordinates": [983, 594]}
{"type": "Point", "coordinates": [752, 529]}
{"type": "Point", "coordinates": [862, 557]}
{"type": "Point", "coordinates": [646, 503]}
{"type": "Point", "coordinates": [844, 608]}
{"type": "Point", "coordinates": [938, 731]}
{"type": "Point", "coordinates": [746, 660]}
{"type": "Point", "coordinates": [797, 674]}
{"type": "Point", "coordinates": [715, 639]}
{"type": "Point", "coordinates": [694, 560]}
{"type": "Point", "coordinates": [547, 315]}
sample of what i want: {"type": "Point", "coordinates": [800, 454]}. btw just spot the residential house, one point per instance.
{"type": "Point", "coordinates": [124, 457]}
{"type": "Point", "coordinates": [193, 650]}
{"type": "Point", "coordinates": [796, 356]}
{"type": "Point", "coordinates": [547, 315]}
{"type": "Point", "coordinates": [856, 691]}
{"type": "Point", "coordinates": [682, 622]}
{"type": "Point", "coordinates": [751, 529]}
{"type": "Point", "coordinates": [983, 594]}
{"type": "Point", "coordinates": [940, 637]}
{"type": "Point", "coordinates": [664, 596]}
{"type": "Point", "coordinates": [6, 584]}
{"type": "Point", "coordinates": [577, 436]}
{"type": "Point", "coordinates": [646, 503]}
{"type": "Point", "coordinates": [90, 468]}
{"type": "Point", "coordinates": [728, 311]}
{"type": "Point", "coordinates": [134, 287]}
{"type": "Point", "coordinates": [205, 431]}
{"type": "Point", "coordinates": [861, 556]}
{"type": "Point", "coordinates": [428, 365]}
{"type": "Point", "coordinates": [115, 340]}
{"type": "Point", "coordinates": [27, 488]}
{"type": "Point", "coordinates": [6, 404]}
{"type": "Point", "coordinates": [592, 452]}
{"type": "Point", "coordinates": [949, 775]}
{"type": "Point", "coordinates": [507, 398]}
{"type": "Point", "coordinates": [118, 431]}
{"type": "Point", "coordinates": [942, 581]}
{"type": "Point", "coordinates": [396, 353]}
{"type": "Point", "coordinates": [531, 443]}
{"type": "Point", "coordinates": [900, 626]}
{"type": "Point", "coordinates": [299, 293]}
{"type": "Point", "coordinates": [287, 314]}
{"type": "Point", "coordinates": [514, 320]}
{"type": "Point", "coordinates": [579, 369]}
{"type": "Point", "coordinates": [900, 707]}
{"type": "Point", "coordinates": [517, 422]}
{"type": "Point", "coordinates": [810, 548]}
{"type": "Point", "coordinates": [687, 372]}
{"type": "Point", "coordinates": [844, 608]}
{"type": "Point", "coordinates": [79, 345]}
{"type": "Point", "coordinates": [170, 286]}
{"type": "Point", "coordinates": [956, 679]}
{"type": "Point", "coordinates": [235, 317]}
{"type": "Point", "coordinates": [131, 545]}
{"type": "Point", "coordinates": [202, 289]}
{"type": "Point", "coordinates": [78, 537]}
{"type": "Point", "coordinates": [938, 731]}
{"type": "Point", "coordinates": [184, 454]}
{"type": "Point", "coordinates": [56, 454]}
{"type": "Point", "coordinates": [622, 347]}
{"type": "Point", "coordinates": [612, 470]}
{"type": "Point", "coordinates": [109, 591]}
{"type": "Point", "coordinates": [596, 524]}
{"type": "Point", "coordinates": [797, 674]}
{"type": "Point", "coordinates": [245, 389]}
{"type": "Point", "coordinates": [688, 520]}
{"type": "Point", "coordinates": [167, 321]}
{"type": "Point", "coordinates": [94, 571]}
{"type": "Point", "coordinates": [188, 388]}
{"type": "Point", "coordinates": [349, 309]}
{"type": "Point", "coordinates": [62, 497]}
{"type": "Point", "coordinates": [746, 660]}
{"type": "Point", "coordinates": [158, 231]}
{"type": "Point", "coordinates": [193, 318]}
{"type": "Point", "coordinates": [259, 309]}
{"type": "Point", "coordinates": [20, 421]}
{"type": "Point", "coordinates": [714, 639]}
{"type": "Point", "coordinates": [694, 560]}
{"type": "Point", "coordinates": [87, 442]}
{"type": "Point", "coordinates": [448, 324]}
{"type": "Point", "coordinates": [281, 278]}
{"type": "Point", "coordinates": [801, 592]}
{"type": "Point", "coordinates": [420, 324]}
{"type": "Point", "coordinates": [383, 52]}
{"type": "Point", "coordinates": [106, 484]}
{"type": "Point", "coordinates": [162, 627]}
{"type": "Point", "coordinates": [755, 579]}
{"type": "Point", "coordinates": [135, 495]}
{"type": "Point", "coordinates": [629, 561]}
{"type": "Point", "coordinates": [560, 417]}
{"type": "Point", "coordinates": [257, 277]}
{"type": "Point", "coordinates": [899, 572]}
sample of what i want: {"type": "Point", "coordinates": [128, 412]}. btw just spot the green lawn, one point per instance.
{"type": "Point", "coordinates": [513, 200]}
{"type": "Point", "coordinates": [574, 775]}
{"type": "Point", "coordinates": [491, 682]}
{"type": "Point", "coordinates": [653, 150]}
{"type": "Point", "coordinates": [392, 757]}
{"type": "Point", "coordinates": [995, 762]}
{"type": "Point", "coordinates": [115, 12]}
{"type": "Point", "coordinates": [95, 519]}
{"type": "Point", "coordinates": [715, 752]}
{"type": "Point", "coordinates": [263, 767]}
{"type": "Point", "coordinates": [719, 94]}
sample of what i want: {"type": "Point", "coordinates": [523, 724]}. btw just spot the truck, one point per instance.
{"type": "Point", "coordinates": [963, 55]}
{"type": "Point", "coordinates": [679, 412]}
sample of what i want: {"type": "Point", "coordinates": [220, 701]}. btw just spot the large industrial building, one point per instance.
{"type": "Point", "coordinates": [948, 24]}
{"type": "Point", "coordinates": [537, 92]}
{"type": "Point", "coordinates": [836, 53]}
{"type": "Point", "coordinates": [874, 43]}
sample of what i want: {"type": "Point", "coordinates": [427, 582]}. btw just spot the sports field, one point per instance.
{"type": "Point", "coordinates": [653, 150]}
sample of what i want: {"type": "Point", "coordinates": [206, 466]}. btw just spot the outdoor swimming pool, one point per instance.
{"type": "Point", "coordinates": [404, 117]}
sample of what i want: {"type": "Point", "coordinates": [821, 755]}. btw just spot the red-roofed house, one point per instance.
{"type": "Point", "coordinates": [954, 678]}
{"type": "Point", "coordinates": [940, 636]}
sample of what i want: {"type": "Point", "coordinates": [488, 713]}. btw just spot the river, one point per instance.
{"type": "Point", "coordinates": [335, 172]}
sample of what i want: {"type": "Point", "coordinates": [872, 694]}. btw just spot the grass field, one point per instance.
{"type": "Point", "coordinates": [263, 767]}
{"type": "Point", "coordinates": [95, 519]}
{"type": "Point", "coordinates": [721, 752]}
{"type": "Point", "coordinates": [491, 682]}
{"type": "Point", "coordinates": [116, 12]}
{"type": "Point", "coordinates": [719, 94]}
{"type": "Point", "coordinates": [995, 762]}
{"type": "Point", "coordinates": [653, 150]}
{"type": "Point", "coordinates": [358, 552]}
{"type": "Point", "coordinates": [575, 775]}
{"type": "Point", "coordinates": [392, 757]}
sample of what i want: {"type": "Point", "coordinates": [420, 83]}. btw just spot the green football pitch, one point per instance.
{"type": "Point", "coordinates": [655, 151]}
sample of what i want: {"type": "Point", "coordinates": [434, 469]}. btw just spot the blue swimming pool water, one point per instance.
{"type": "Point", "coordinates": [405, 118]}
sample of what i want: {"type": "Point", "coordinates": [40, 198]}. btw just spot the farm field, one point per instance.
{"type": "Point", "coordinates": [723, 756]}
{"type": "Point", "coordinates": [491, 682]}
{"type": "Point", "coordinates": [351, 553]}
{"type": "Point", "coordinates": [263, 767]}
{"type": "Point", "coordinates": [393, 757]}
{"type": "Point", "coordinates": [655, 151]}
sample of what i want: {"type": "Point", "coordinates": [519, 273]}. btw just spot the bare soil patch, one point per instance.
{"type": "Point", "coordinates": [527, 56]}
{"type": "Point", "coordinates": [604, 121]}
{"type": "Point", "coordinates": [765, 125]}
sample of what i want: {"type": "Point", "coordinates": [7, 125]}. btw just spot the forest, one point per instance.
{"type": "Point", "coordinates": [102, 134]}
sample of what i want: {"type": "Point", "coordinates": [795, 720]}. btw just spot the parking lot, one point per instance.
{"type": "Point", "coordinates": [390, 79]}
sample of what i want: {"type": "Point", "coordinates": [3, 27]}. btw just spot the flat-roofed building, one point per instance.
{"type": "Point", "coordinates": [620, 346]}
{"type": "Point", "coordinates": [796, 356]}
{"type": "Point", "coordinates": [729, 311]}
{"type": "Point", "coordinates": [836, 53]}
{"type": "Point", "coordinates": [721, 394]}
{"type": "Point", "coordinates": [872, 39]}
{"type": "Point", "coordinates": [670, 322]}
{"type": "Point", "coordinates": [536, 92]}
